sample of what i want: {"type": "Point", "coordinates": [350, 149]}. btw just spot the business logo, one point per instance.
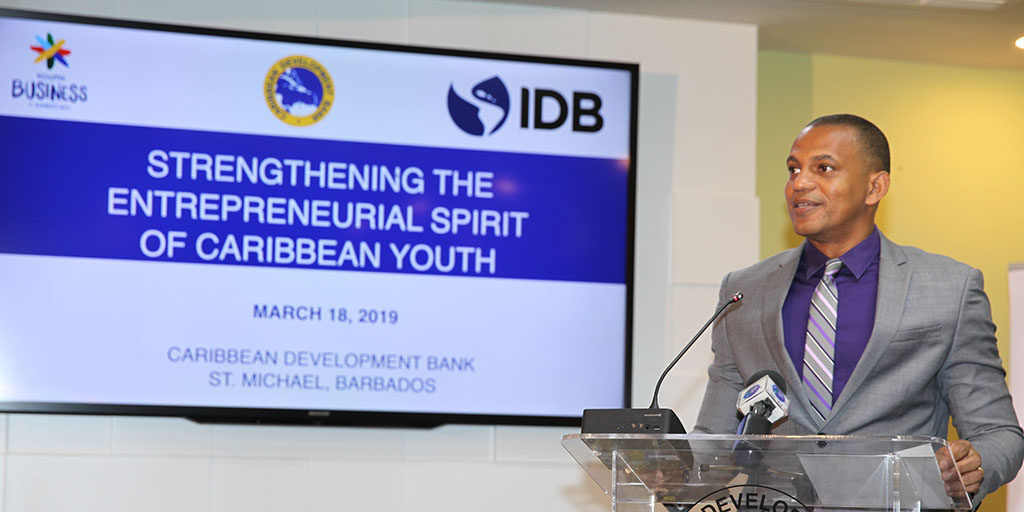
{"type": "Point", "coordinates": [585, 110]}
{"type": "Point", "coordinates": [486, 108]}
{"type": "Point", "coordinates": [50, 88]}
{"type": "Point", "coordinates": [748, 497]}
{"type": "Point", "coordinates": [50, 51]}
{"type": "Point", "coordinates": [298, 90]}
{"type": "Point", "coordinates": [752, 391]}
{"type": "Point", "coordinates": [492, 95]}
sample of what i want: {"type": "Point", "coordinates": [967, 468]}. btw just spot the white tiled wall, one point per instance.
{"type": "Point", "coordinates": [40, 434]}
{"type": "Point", "coordinates": [683, 389]}
{"type": "Point", "coordinates": [510, 28]}
{"type": "Point", "coordinates": [258, 484]}
{"type": "Point", "coordinates": [379, 21]}
{"type": "Point", "coordinates": [258, 15]}
{"type": "Point", "coordinates": [695, 167]}
{"type": "Point", "coordinates": [714, 67]}
{"type": "Point", "coordinates": [653, 255]}
{"type": "Point", "coordinates": [161, 437]}
{"type": "Point", "coordinates": [90, 482]}
{"type": "Point", "coordinates": [520, 444]}
{"type": "Point", "coordinates": [307, 442]}
{"type": "Point", "coordinates": [451, 443]}
{"type": "Point", "coordinates": [107, 8]}
{"type": "Point", "coordinates": [705, 254]}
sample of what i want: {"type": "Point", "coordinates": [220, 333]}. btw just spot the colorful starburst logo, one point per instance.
{"type": "Point", "coordinates": [51, 51]}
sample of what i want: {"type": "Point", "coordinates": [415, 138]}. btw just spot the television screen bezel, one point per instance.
{"type": "Point", "coordinates": [355, 417]}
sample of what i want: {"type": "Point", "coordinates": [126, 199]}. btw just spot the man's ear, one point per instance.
{"type": "Point", "coordinates": [879, 186]}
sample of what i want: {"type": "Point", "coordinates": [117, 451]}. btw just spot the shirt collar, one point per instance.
{"type": "Point", "coordinates": [857, 259]}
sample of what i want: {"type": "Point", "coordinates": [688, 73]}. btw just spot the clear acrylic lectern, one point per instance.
{"type": "Point", "coordinates": [728, 473]}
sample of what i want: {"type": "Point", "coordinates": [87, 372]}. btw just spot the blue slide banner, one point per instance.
{"type": "Point", "coordinates": [141, 193]}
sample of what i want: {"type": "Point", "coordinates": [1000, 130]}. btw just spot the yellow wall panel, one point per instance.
{"type": "Point", "coordinates": [957, 141]}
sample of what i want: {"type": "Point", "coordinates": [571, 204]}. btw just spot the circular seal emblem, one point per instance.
{"type": "Point", "coordinates": [752, 497]}
{"type": "Point", "coordinates": [298, 90]}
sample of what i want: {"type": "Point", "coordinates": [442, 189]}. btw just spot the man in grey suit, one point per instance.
{"type": "Point", "coordinates": [872, 338]}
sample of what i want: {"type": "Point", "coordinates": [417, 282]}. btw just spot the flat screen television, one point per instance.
{"type": "Point", "coordinates": [232, 226]}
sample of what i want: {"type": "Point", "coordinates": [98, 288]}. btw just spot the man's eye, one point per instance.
{"type": "Point", "coordinates": [794, 170]}
{"type": "Point", "coordinates": [826, 168]}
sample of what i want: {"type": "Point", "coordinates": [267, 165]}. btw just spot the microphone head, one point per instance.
{"type": "Point", "coordinates": [765, 386]}
{"type": "Point", "coordinates": [736, 297]}
{"type": "Point", "coordinates": [776, 378]}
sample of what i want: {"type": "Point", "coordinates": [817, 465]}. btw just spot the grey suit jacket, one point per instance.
{"type": "Point", "coordinates": [931, 354]}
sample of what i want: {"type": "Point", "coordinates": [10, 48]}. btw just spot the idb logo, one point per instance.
{"type": "Point", "coordinates": [551, 110]}
{"type": "Point", "coordinates": [487, 109]}
{"type": "Point", "coordinates": [490, 94]}
{"type": "Point", "coordinates": [752, 391]}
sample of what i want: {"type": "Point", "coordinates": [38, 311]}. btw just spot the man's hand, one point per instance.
{"type": "Point", "coordinates": [968, 461]}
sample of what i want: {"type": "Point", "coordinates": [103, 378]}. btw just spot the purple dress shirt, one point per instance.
{"type": "Point", "coordinates": [857, 281]}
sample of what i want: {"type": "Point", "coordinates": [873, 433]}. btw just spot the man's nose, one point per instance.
{"type": "Point", "coordinates": [802, 181]}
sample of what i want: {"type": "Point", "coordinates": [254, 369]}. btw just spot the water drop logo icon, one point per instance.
{"type": "Point", "coordinates": [491, 95]}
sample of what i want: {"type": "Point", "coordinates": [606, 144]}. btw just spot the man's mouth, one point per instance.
{"type": "Point", "coordinates": [804, 206]}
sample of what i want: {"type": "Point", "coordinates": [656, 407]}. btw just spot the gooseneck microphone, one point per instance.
{"type": "Point", "coordinates": [653, 419]}
{"type": "Point", "coordinates": [657, 388]}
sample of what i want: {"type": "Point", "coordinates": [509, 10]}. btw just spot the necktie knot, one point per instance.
{"type": "Point", "coordinates": [832, 266]}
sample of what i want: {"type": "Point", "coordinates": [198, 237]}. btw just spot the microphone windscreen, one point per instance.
{"type": "Point", "coordinates": [765, 386]}
{"type": "Point", "coordinates": [772, 374]}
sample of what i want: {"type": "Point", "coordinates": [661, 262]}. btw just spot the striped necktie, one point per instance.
{"type": "Point", "coordinates": [820, 347]}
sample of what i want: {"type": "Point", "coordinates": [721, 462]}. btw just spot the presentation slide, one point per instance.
{"type": "Point", "coordinates": [194, 220]}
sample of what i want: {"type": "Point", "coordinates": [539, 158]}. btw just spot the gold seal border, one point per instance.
{"type": "Point", "coordinates": [310, 64]}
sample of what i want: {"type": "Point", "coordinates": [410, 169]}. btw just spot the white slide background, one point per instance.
{"type": "Point", "coordinates": [121, 336]}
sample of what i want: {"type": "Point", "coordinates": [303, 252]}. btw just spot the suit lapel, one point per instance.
{"type": "Point", "coordinates": [893, 281]}
{"type": "Point", "coordinates": [776, 288]}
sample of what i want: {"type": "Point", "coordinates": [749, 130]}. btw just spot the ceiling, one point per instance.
{"type": "Point", "coordinates": [981, 34]}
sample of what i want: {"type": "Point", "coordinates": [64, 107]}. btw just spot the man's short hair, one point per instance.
{"type": "Point", "coordinates": [871, 139]}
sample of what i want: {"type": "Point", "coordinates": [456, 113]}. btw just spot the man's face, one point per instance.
{"type": "Point", "coordinates": [829, 192]}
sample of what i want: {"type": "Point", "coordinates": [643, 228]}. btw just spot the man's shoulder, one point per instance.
{"type": "Point", "coordinates": [917, 259]}
{"type": "Point", "coordinates": [891, 253]}
{"type": "Point", "coordinates": [767, 265]}
{"type": "Point", "coordinates": [924, 261]}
